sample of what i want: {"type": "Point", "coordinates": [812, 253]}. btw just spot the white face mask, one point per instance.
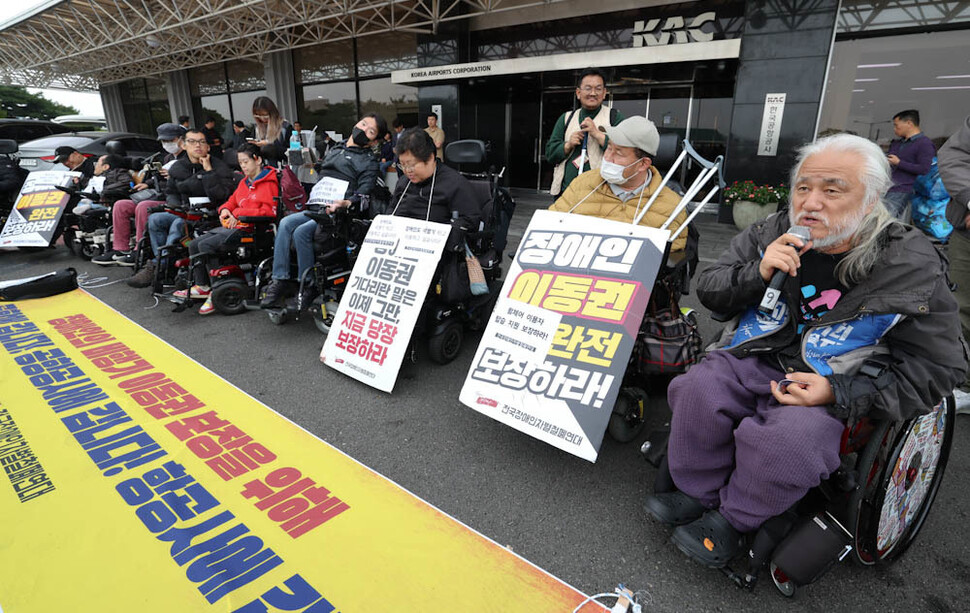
{"type": "Point", "coordinates": [613, 173]}
{"type": "Point", "coordinates": [170, 147]}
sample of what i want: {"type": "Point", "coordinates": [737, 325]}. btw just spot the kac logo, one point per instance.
{"type": "Point", "coordinates": [651, 33]}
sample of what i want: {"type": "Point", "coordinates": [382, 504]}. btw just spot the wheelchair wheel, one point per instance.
{"type": "Point", "coordinates": [785, 585]}
{"type": "Point", "coordinates": [229, 296]}
{"type": "Point", "coordinates": [444, 346]}
{"type": "Point", "coordinates": [626, 421]}
{"type": "Point", "coordinates": [904, 477]}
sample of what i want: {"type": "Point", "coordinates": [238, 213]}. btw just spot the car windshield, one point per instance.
{"type": "Point", "coordinates": [53, 142]}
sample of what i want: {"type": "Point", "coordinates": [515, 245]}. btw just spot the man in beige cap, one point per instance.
{"type": "Point", "coordinates": [623, 184]}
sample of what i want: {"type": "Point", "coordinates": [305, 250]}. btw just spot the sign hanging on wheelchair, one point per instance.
{"type": "Point", "coordinates": [38, 210]}
{"type": "Point", "coordinates": [379, 308]}
{"type": "Point", "coordinates": [551, 361]}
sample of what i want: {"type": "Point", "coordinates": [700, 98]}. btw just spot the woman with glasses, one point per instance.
{"type": "Point", "coordinates": [353, 161]}
{"type": "Point", "coordinates": [272, 132]}
{"type": "Point", "coordinates": [433, 191]}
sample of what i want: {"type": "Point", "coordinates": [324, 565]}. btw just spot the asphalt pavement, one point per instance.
{"type": "Point", "coordinates": [582, 522]}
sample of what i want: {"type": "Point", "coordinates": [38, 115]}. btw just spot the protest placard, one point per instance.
{"type": "Point", "coordinates": [380, 306]}
{"type": "Point", "coordinates": [38, 209]}
{"type": "Point", "coordinates": [552, 358]}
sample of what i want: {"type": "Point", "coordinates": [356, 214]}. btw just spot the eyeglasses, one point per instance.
{"type": "Point", "coordinates": [192, 141]}
{"type": "Point", "coordinates": [405, 168]}
{"type": "Point", "coordinates": [599, 89]}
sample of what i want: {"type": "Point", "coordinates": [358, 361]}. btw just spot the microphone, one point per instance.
{"type": "Point", "coordinates": [773, 293]}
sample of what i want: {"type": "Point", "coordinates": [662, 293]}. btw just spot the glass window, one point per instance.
{"type": "Point", "coordinates": [156, 89]}
{"type": "Point", "coordinates": [872, 79]}
{"type": "Point", "coordinates": [218, 108]}
{"type": "Point", "coordinates": [326, 62]}
{"type": "Point", "coordinates": [869, 15]}
{"type": "Point", "coordinates": [390, 100]}
{"type": "Point", "coordinates": [330, 106]}
{"type": "Point", "coordinates": [246, 74]}
{"type": "Point", "coordinates": [242, 105]}
{"type": "Point", "coordinates": [380, 54]}
{"type": "Point", "coordinates": [208, 80]}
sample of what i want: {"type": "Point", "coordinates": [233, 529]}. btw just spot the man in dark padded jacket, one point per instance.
{"type": "Point", "coordinates": [197, 178]}
{"type": "Point", "coordinates": [353, 161]}
{"type": "Point", "coordinates": [867, 325]}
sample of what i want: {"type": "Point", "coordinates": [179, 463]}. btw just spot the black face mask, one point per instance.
{"type": "Point", "coordinates": [359, 137]}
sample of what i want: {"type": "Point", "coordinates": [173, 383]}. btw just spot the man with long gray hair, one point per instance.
{"type": "Point", "coordinates": [866, 325]}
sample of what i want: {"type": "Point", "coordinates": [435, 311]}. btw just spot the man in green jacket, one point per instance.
{"type": "Point", "coordinates": [578, 139]}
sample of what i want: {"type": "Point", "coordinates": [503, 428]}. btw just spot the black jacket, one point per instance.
{"type": "Point", "coordinates": [187, 180]}
{"type": "Point", "coordinates": [357, 165]}
{"type": "Point", "coordinates": [452, 194]}
{"type": "Point", "coordinates": [907, 289]}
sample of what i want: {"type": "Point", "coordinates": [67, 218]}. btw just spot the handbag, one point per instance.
{"type": "Point", "coordinates": [669, 341]}
{"type": "Point", "coordinates": [476, 276]}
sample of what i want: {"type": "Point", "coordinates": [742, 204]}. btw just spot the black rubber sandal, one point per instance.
{"type": "Point", "coordinates": [710, 540]}
{"type": "Point", "coordinates": [674, 508]}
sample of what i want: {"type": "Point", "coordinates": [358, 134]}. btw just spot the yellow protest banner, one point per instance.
{"type": "Point", "coordinates": [136, 480]}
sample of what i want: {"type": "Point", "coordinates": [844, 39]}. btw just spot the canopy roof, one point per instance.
{"type": "Point", "coordinates": [80, 44]}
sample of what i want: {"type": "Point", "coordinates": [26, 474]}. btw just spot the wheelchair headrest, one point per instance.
{"type": "Point", "coordinates": [465, 152]}
{"type": "Point", "coordinates": [667, 151]}
{"type": "Point", "coordinates": [116, 147]}
{"type": "Point", "coordinates": [8, 146]}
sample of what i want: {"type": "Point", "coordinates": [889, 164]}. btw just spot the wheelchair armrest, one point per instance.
{"type": "Point", "coordinates": [322, 218]}
{"type": "Point", "coordinates": [260, 219]}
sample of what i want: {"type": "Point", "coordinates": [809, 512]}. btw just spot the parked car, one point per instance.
{"type": "Point", "coordinates": [82, 122]}
{"type": "Point", "coordinates": [23, 130]}
{"type": "Point", "coordinates": [39, 154]}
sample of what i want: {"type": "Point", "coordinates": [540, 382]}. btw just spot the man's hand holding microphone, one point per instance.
{"type": "Point", "coordinates": [783, 258]}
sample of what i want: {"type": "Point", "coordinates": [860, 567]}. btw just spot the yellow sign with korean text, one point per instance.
{"type": "Point", "coordinates": [134, 479]}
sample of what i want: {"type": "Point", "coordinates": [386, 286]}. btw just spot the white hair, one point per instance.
{"type": "Point", "coordinates": [877, 180]}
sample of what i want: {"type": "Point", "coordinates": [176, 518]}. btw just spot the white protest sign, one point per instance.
{"type": "Point", "coordinates": [378, 310]}
{"type": "Point", "coordinates": [327, 190]}
{"type": "Point", "coordinates": [552, 358]}
{"type": "Point", "coordinates": [38, 209]}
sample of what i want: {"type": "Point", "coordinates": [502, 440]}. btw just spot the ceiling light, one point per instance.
{"type": "Point", "coordinates": [858, 90]}
{"type": "Point", "coordinates": [865, 80]}
{"type": "Point", "coordinates": [879, 65]}
{"type": "Point", "coordinates": [950, 87]}
{"type": "Point", "coordinates": [954, 76]}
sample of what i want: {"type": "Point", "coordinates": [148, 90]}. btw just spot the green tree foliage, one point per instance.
{"type": "Point", "coordinates": [17, 102]}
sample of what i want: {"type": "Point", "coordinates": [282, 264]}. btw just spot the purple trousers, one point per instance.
{"type": "Point", "coordinates": [734, 448]}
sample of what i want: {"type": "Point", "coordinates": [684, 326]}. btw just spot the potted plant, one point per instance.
{"type": "Point", "coordinates": [751, 202]}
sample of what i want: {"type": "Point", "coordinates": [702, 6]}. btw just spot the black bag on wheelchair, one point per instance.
{"type": "Point", "coordinates": [453, 284]}
{"type": "Point", "coordinates": [669, 341]}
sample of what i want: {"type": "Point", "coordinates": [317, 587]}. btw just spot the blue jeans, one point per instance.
{"type": "Point", "coordinates": [898, 204]}
{"type": "Point", "coordinates": [165, 229]}
{"type": "Point", "coordinates": [295, 230]}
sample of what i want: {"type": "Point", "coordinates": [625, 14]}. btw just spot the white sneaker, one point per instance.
{"type": "Point", "coordinates": [962, 401]}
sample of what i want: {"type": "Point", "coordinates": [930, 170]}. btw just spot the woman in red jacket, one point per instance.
{"type": "Point", "coordinates": [254, 197]}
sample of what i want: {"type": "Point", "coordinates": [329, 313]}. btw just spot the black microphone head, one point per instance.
{"type": "Point", "coordinates": [801, 232]}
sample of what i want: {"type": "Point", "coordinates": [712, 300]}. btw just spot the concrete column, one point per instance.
{"type": "Point", "coordinates": [114, 110]}
{"type": "Point", "coordinates": [179, 95]}
{"type": "Point", "coordinates": [281, 83]}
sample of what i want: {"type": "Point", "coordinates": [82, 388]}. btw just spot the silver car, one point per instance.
{"type": "Point", "coordinates": [39, 154]}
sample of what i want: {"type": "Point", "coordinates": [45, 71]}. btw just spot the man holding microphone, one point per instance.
{"type": "Point", "coordinates": [865, 324]}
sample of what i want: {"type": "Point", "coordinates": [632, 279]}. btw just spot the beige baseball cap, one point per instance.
{"type": "Point", "coordinates": [637, 132]}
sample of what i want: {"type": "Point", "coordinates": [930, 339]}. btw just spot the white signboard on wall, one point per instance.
{"type": "Point", "coordinates": [771, 124]}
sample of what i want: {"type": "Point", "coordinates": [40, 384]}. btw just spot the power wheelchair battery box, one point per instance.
{"type": "Point", "coordinates": [812, 548]}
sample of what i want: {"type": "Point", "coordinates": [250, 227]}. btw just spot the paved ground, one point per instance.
{"type": "Point", "coordinates": [582, 522]}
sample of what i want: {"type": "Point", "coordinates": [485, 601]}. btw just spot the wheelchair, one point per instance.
{"type": "Point", "coordinates": [444, 317]}
{"type": "Point", "coordinates": [321, 286]}
{"type": "Point", "coordinates": [673, 281]}
{"type": "Point", "coordinates": [172, 265]}
{"type": "Point", "coordinates": [870, 509]}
